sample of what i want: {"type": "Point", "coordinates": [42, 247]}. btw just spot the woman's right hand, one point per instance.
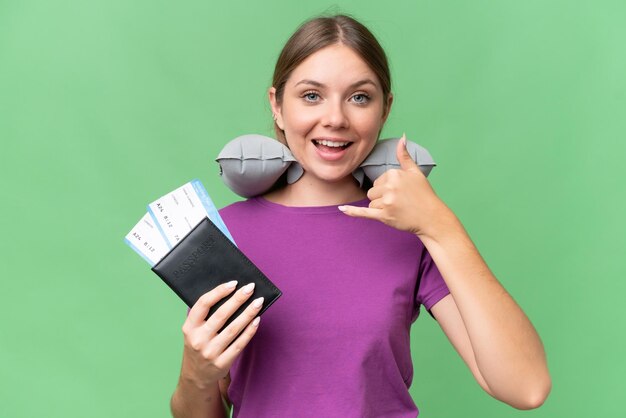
{"type": "Point", "coordinates": [208, 355]}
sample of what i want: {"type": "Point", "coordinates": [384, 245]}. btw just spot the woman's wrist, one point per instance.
{"type": "Point", "coordinates": [189, 379]}
{"type": "Point", "coordinates": [443, 225]}
{"type": "Point", "coordinates": [189, 376]}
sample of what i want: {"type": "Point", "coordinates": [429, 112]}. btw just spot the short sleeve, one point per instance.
{"type": "Point", "coordinates": [431, 288]}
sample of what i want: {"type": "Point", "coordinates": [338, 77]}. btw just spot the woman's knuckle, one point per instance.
{"type": "Point", "coordinates": [230, 332]}
{"type": "Point", "coordinates": [209, 354]}
{"type": "Point", "coordinates": [196, 344]}
{"type": "Point", "coordinates": [219, 365]}
{"type": "Point", "coordinates": [206, 300]}
{"type": "Point", "coordinates": [237, 347]}
{"type": "Point", "coordinates": [219, 316]}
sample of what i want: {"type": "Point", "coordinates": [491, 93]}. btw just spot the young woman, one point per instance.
{"type": "Point", "coordinates": [354, 265]}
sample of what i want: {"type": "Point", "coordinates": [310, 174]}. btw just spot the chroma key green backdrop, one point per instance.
{"type": "Point", "coordinates": [107, 104]}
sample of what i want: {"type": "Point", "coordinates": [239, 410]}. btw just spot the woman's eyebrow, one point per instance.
{"type": "Point", "coordinates": [321, 85]}
{"type": "Point", "coordinates": [311, 82]}
{"type": "Point", "coordinates": [362, 82]}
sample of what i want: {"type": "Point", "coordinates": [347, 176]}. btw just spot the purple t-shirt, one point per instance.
{"type": "Point", "coordinates": [336, 343]}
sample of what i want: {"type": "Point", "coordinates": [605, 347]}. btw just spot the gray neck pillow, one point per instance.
{"type": "Point", "coordinates": [251, 164]}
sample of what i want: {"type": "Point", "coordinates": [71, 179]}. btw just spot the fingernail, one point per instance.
{"type": "Point", "coordinates": [342, 208]}
{"type": "Point", "coordinates": [403, 139]}
{"type": "Point", "coordinates": [256, 321]}
{"type": "Point", "coordinates": [247, 289]}
{"type": "Point", "coordinates": [258, 302]}
{"type": "Point", "coordinates": [231, 285]}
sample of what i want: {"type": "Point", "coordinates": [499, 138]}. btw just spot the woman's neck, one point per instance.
{"type": "Point", "coordinates": [315, 192]}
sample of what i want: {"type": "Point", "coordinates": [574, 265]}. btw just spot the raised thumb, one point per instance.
{"type": "Point", "coordinates": [405, 160]}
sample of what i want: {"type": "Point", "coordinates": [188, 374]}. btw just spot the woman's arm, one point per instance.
{"type": "Point", "coordinates": [208, 354]}
{"type": "Point", "coordinates": [488, 329]}
{"type": "Point", "coordinates": [190, 400]}
{"type": "Point", "coordinates": [449, 319]}
{"type": "Point", "coordinates": [483, 322]}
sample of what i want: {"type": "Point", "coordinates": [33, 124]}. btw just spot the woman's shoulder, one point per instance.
{"type": "Point", "coordinates": [239, 207]}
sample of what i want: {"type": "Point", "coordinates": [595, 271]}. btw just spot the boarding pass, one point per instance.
{"type": "Point", "coordinates": [170, 218]}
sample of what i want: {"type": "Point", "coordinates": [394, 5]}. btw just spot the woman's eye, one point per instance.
{"type": "Point", "coordinates": [361, 98]}
{"type": "Point", "coordinates": [310, 96]}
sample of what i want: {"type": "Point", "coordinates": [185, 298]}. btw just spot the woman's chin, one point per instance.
{"type": "Point", "coordinates": [335, 177]}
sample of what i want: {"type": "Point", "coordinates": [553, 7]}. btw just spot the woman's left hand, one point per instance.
{"type": "Point", "coordinates": [403, 198]}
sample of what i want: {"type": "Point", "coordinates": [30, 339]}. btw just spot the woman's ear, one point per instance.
{"type": "Point", "coordinates": [276, 110]}
{"type": "Point", "coordinates": [387, 107]}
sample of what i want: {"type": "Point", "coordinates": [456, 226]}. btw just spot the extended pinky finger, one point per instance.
{"type": "Point", "coordinates": [236, 347]}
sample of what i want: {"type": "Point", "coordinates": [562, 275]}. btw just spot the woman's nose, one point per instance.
{"type": "Point", "coordinates": [335, 116]}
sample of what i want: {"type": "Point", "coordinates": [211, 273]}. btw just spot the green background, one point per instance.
{"type": "Point", "coordinates": [107, 104]}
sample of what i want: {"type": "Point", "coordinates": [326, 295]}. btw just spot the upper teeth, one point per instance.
{"type": "Point", "coordinates": [331, 144]}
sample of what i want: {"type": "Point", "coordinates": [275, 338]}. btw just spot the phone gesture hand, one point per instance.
{"type": "Point", "coordinates": [401, 198]}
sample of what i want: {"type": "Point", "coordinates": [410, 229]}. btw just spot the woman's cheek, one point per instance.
{"type": "Point", "coordinates": [368, 126]}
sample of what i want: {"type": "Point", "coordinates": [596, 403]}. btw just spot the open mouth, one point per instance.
{"type": "Point", "coordinates": [331, 145]}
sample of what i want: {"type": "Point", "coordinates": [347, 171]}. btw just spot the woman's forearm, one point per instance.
{"type": "Point", "coordinates": [508, 350]}
{"type": "Point", "coordinates": [209, 354]}
{"type": "Point", "coordinates": [191, 401]}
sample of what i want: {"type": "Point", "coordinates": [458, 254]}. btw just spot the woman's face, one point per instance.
{"type": "Point", "coordinates": [332, 112]}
